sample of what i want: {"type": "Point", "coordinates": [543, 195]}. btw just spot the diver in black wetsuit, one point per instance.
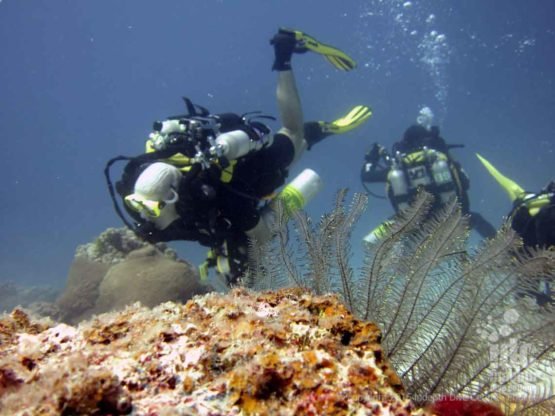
{"type": "Point", "coordinates": [422, 159]}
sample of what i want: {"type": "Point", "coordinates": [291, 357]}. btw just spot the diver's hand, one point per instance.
{"type": "Point", "coordinates": [373, 155]}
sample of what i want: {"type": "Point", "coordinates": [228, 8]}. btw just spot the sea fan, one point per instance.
{"type": "Point", "coordinates": [454, 322]}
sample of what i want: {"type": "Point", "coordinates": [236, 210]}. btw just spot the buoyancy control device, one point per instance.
{"type": "Point", "coordinates": [195, 138]}
{"type": "Point", "coordinates": [427, 168]}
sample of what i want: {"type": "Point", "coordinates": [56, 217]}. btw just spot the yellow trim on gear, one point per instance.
{"type": "Point", "coordinates": [358, 115]}
{"type": "Point", "coordinates": [227, 174]}
{"type": "Point", "coordinates": [513, 189]}
{"type": "Point", "coordinates": [422, 156]}
{"type": "Point", "coordinates": [204, 267]}
{"type": "Point", "coordinates": [222, 265]}
{"type": "Point", "coordinates": [179, 160]}
{"type": "Point", "coordinates": [293, 200]}
{"type": "Point", "coordinates": [534, 205]}
{"type": "Point", "coordinates": [203, 271]}
{"type": "Point", "coordinates": [379, 232]}
{"type": "Point", "coordinates": [184, 163]}
{"type": "Point", "coordinates": [151, 209]}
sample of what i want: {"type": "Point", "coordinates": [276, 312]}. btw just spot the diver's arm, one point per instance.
{"type": "Point", "coordinates": [372, 171]}
{"type": "Point", "coordinates": [173, 232]}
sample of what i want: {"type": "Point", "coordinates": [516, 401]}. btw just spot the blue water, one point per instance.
{"type": "Point", "coordinates": [82, 81]}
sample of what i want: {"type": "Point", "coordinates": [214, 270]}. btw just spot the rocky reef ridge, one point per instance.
{"type": "Point", "coordinates": [271, 353]}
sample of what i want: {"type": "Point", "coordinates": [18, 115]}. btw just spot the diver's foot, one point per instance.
{"type": "Point", "coordinates": [289, 41]}
{"type": "Point", "coordinates": [284, 43]}
{"type": "Point", "coordinates": [354, 118]}
{"type": "Point", "coordinates": [304, 43]}
{"type": "Point", "coordinates": [315, 131]}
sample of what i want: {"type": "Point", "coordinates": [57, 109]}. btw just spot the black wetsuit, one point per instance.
{"type": "Point", "coordinates": [212, 211]}
{"type": "Point", "coordinates": [536, 230]}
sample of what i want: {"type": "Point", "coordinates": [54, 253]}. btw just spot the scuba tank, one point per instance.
{"type": "Point", "coordinates": [398, 183]}
{"type": "Point", "coordinates": [441, 172]}
{"type": "Point", "coordinates": [299, 192]}
{"type": "Point", "coordinates": [237, 143]}
{"type": "Point", "coordinates": [443, 179]}
{"type": "Point", "coordinates": [294, 196]}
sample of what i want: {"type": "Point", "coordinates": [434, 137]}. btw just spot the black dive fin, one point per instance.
{"type": "Point", "coordinates": [195, 109]}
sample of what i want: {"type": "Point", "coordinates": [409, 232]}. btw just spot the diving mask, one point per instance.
{"type": "Point", "coordinates": [148, 209]}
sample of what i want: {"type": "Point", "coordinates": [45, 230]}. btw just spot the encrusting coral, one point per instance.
{"type": "Point", "coordinates": [270, 353]}
{"type": "Point", "coordinates": [114, 244]}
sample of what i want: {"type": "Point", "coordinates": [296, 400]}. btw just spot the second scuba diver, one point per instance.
{"type": "Point", "coordinates": [421, 159]}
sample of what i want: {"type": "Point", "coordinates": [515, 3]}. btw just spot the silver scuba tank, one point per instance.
{"type": "Point", "coordinates": [442, 178]}
{"type": "Point", "coordinates": [237, 143]}
{"type": "Point", "coordinates": [397, 180]}
{"type": "Point", "coordinates": [441, 172]}
{"type": "Point", "coordinates": [299, 192]}
{"type": "Point", "coordinates": [234, 144]}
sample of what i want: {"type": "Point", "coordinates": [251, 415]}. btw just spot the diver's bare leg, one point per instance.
{"type": "Point", "coordinates": [288, 100]}
{"type": "Point", "coordinates": [291, 111]}
{"type": "Point", "coordinates": [291, 114]}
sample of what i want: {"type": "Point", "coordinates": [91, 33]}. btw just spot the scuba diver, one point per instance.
{"type": "Point", "coordinates": [420, 159]}
{"type": "Point", "coordinates": [212, 178]}
{"type": "Point", "coordinates": [532, 217]}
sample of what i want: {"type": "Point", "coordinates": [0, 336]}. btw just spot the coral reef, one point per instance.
{"type": "Point", "coordinates": [81, 290]}
{"type": "Point", "coordinates": [114, 244]}
{"type": "Point", "coordinates": [35, 298]}
{"type": "Point", "coordinates": [118, 269]}
{"type": "Point", "coordinates": [271, 353]}
{"type": "Point", "coordinates": [146, 275]}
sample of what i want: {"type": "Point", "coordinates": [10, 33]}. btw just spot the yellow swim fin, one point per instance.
{"type": "Point", "coordinates": [204, 267]}
{"type": "Point", "coordinates": [358, 115]}
{"type": "Point", "coordinates": [379, 232]}
{"type": "Point", "coordinates": [513, 189]}
{"type": "Point", "coordinates": [336, 57]}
